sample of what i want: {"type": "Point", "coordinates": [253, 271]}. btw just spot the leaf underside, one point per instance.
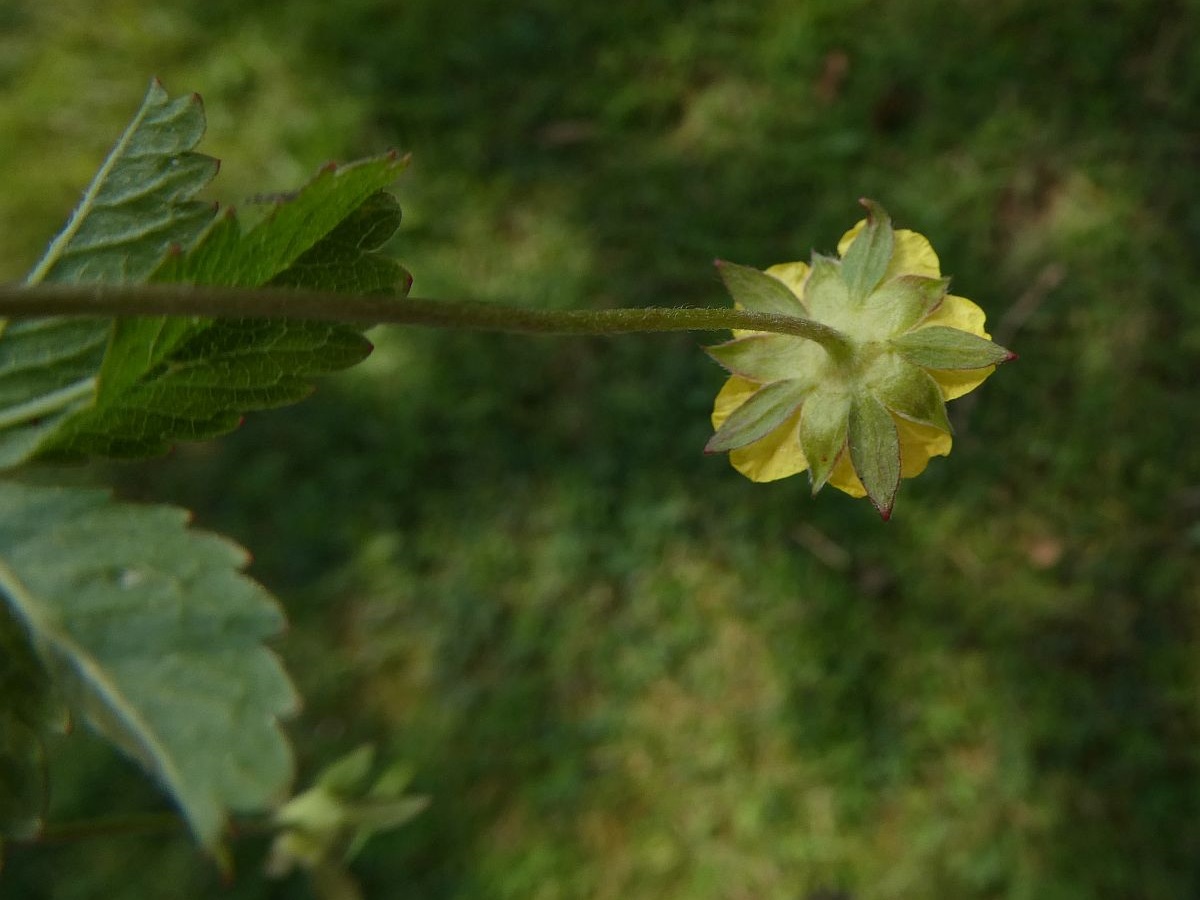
{"type": "Point", "coordinates": [73, 388]}
{"type": "Point", "coordinates": [154, 637]}
{"type": "Point", "coordinates": [189, 379]}
{"type": "Point", "coordinates": [139, 205]}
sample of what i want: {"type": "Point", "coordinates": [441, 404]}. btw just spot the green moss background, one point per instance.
{"type": "Point", "coordinates": [618, 669]}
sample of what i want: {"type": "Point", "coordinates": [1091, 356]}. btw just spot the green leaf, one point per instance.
{"type": "Point", "coordinates": [170, 379]}
{"type": "Point", "coordinates": [152, 635]}
{"type": "Point", "coordinates": [823, 425]}
{"type": "Point", "coordinates": [756, 291]}
{"type": "Point", "coordinates": [875, 451]}
{"type": "Point", "coordinates": [938, 347]}
{"type": "Point", "coordinates": [206, 385]}
{"type": "Point", "coordinates": [769, 357]}
{"type": "Point", "coordinates": [47, 373]}
{"type": "Point", "coordinates": [867, 259]}
{"type": "Point", "coordinates": [760, 415]}
{"type": "Point", "coordinates": [139, 205]}
{"type": "Point", "coordinates": [229, 256]}
{"type": "Point", "coordinates": [28, 713]}
{"type": "Point", "coordinates": [348, 258]}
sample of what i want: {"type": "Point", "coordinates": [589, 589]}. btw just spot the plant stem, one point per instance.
{"type": "Point", "coordinates": [134, 824]}
{"type": "Point", "coordinates": [18, 302]}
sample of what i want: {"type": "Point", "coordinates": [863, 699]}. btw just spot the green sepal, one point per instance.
{"type": "Point", "coordinates": [769, 357]}
{"type": "Point", "coordinates": [759, 416]}
{"type": "Point", "coordinates": [939, 347]}
{"type": "Point", "coordinates": [868, 256]}
{"type": "Point", "coordinates": [825, 292]}
{"type": "Point", "coordinates": [823, 427]}
{"type": "Point", "coordinates": [756, 291]}
{"type": "Point", "coordinates": [910, 392]}
{"type": "Point", "coordinates": [901, 302]}
{"type": "Point", "coordinates": [875, 451]}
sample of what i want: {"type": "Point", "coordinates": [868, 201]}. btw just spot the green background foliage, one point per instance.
{"type": "Point", "coordinates": [617, 668]}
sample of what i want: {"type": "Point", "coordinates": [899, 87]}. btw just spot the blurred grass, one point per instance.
{"type": "Point", "coordinates": [620, 670]}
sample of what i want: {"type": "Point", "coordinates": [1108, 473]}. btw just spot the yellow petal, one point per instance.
{"type": "Point", "coordinates": [918, 443]}
{"type": "Point", "coordinates": [733, 393]}
{"type": "Point", "coordinates": [844, 478]}
{"type": "Point", "coordinates": [960, 313]}
{"type": "Point", "coordinates": [775, 455]}
{"type": "Point", "coordinates": [792, 274]}
{"type": "Point", "coordinates": [912, 253]}
{"type": "Point", "coordinates": [849, 236]}
{"type": "Point", "coordinates": [956, 382]}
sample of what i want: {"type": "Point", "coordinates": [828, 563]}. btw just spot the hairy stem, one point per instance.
{"type": "Point", "coordinates": [17, 302]}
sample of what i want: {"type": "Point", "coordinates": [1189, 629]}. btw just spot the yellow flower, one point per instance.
{"type": "Point", "coordinates": [860, 402]}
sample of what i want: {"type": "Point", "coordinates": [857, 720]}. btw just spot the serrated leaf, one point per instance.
{"type": "Point", "coordinates": [865, 262]}
{"type": "Point", "coordinates": [154, 637]}
{"type": "Point", "coordinates": [139, 205]}
{"type": "Point", "coordinates": [47, 373]}
{"type": "Point", "coordinates": [823, 423]}
{"type": "Point", "coordinates": [229, 256]}
{"type": "Point", "coordinates": [938, 347]}
{"type": "Point", "coordinates": [348, 258]}
{"type": "Point", "coordinates": [756, 291]}
{"type": "Point", "coordinates": [206, 385]}
{"type": "Point", "coordinates": [761, 414]}
{"type": "Point", "coordinates": [189, 379]}
{"type": "Point", "coordinates": [875, 451]}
